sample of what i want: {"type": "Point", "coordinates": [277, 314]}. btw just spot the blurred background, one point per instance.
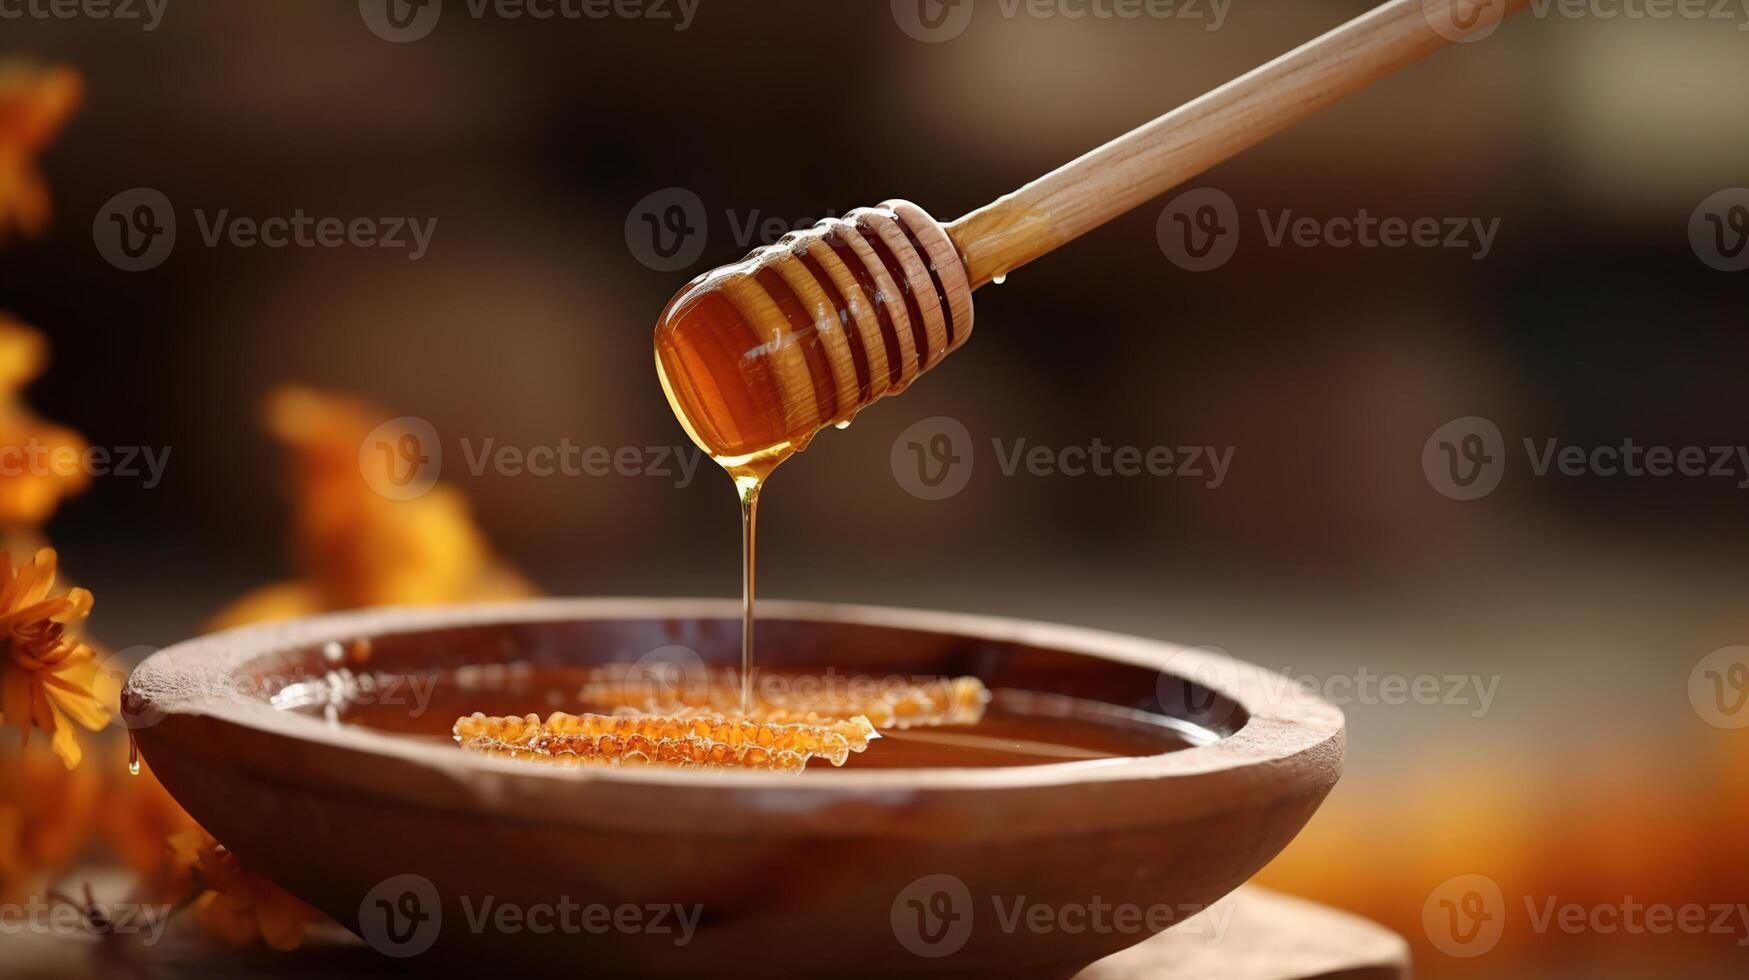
{"type": "Point", "coordinates": [1586, 602]}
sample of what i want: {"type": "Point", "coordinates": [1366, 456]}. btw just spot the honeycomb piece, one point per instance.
{"type": "Point", "coordinates": [913, 703]}
{"type": "Point", "coordinates": [947, 701]}
{"type": "Point", "coordinates": [692, 741]}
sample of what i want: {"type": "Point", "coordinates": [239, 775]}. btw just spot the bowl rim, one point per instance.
{"type": "Point", "coordinates": [1284, 720]}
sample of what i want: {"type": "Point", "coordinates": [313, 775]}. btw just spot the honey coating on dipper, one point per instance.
{"type": "Point", "coordinates": [758, 356]}
{"type": "Point", "coordinates": [693, 741]}
{"type": "Point", "coordinates": [917, 703]}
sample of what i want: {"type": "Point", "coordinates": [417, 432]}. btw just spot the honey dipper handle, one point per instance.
{"type": "Point", "coordinates": [1143, 163]}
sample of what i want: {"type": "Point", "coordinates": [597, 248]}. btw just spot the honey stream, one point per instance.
{"type": "Point", "coordinates": [749, 474]}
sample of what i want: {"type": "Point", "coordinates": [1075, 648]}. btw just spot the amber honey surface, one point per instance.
{"type": "Point", "coordinates": [1007, 733]}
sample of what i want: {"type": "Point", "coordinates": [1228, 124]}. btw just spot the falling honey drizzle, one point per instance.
{"type": "Point", "coordinates": [749, 474]}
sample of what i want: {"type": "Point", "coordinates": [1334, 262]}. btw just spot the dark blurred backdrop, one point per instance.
{"type": "Point", "coordinates": [1592, 319]}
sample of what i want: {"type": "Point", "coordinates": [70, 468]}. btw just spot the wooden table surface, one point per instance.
{"type": "Point", "coordinates": [1257, 934]}
{"type": "Point", "coordinates": [1253, 934]}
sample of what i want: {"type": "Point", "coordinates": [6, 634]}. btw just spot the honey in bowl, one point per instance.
{"type": "Point", "coordinates": [1015, 728]}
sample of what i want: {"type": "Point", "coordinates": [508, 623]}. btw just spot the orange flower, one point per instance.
{"type": "Point", "coordinates": [34, 104]}
{"type": "Point", "coordinates": [46, 815]}
{"type": "Point", "coordinates": [356, 547]}
{"type": "Point", "coordinates": [47, 678]}
{"type": "Point", "coordinates": [35, 483]}
{"type": "Point", "coordinates": [232, 904]}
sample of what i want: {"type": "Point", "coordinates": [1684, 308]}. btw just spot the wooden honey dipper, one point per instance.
{"type": "Point", "coordinates": [758, 356]}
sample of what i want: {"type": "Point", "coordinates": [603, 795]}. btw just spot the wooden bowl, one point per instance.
{"type": "Point", "coordinates": [420, 847]}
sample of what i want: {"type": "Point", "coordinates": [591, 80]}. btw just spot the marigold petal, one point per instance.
{"type": "Point", "coordinates": [280, 916]}
{"type": "Point", "coordinates": [37, 578]}
{"type": "Point", "coordinates": [185, 847]}
{"type": "Point", "coordinates": [78, 606]}
{"type": "Point", "coordinates": [222, 916]}
{"type": "Point", "coordinates": [42, 713]}
{"type": "Point", "coordinates": [78, 704]}
{"type": "Point", "coordinates": [15, 699]}
{"type": "Point", "coordinates": [34, 611]}
{"type": "Point", "coordinates": [64, 744]}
